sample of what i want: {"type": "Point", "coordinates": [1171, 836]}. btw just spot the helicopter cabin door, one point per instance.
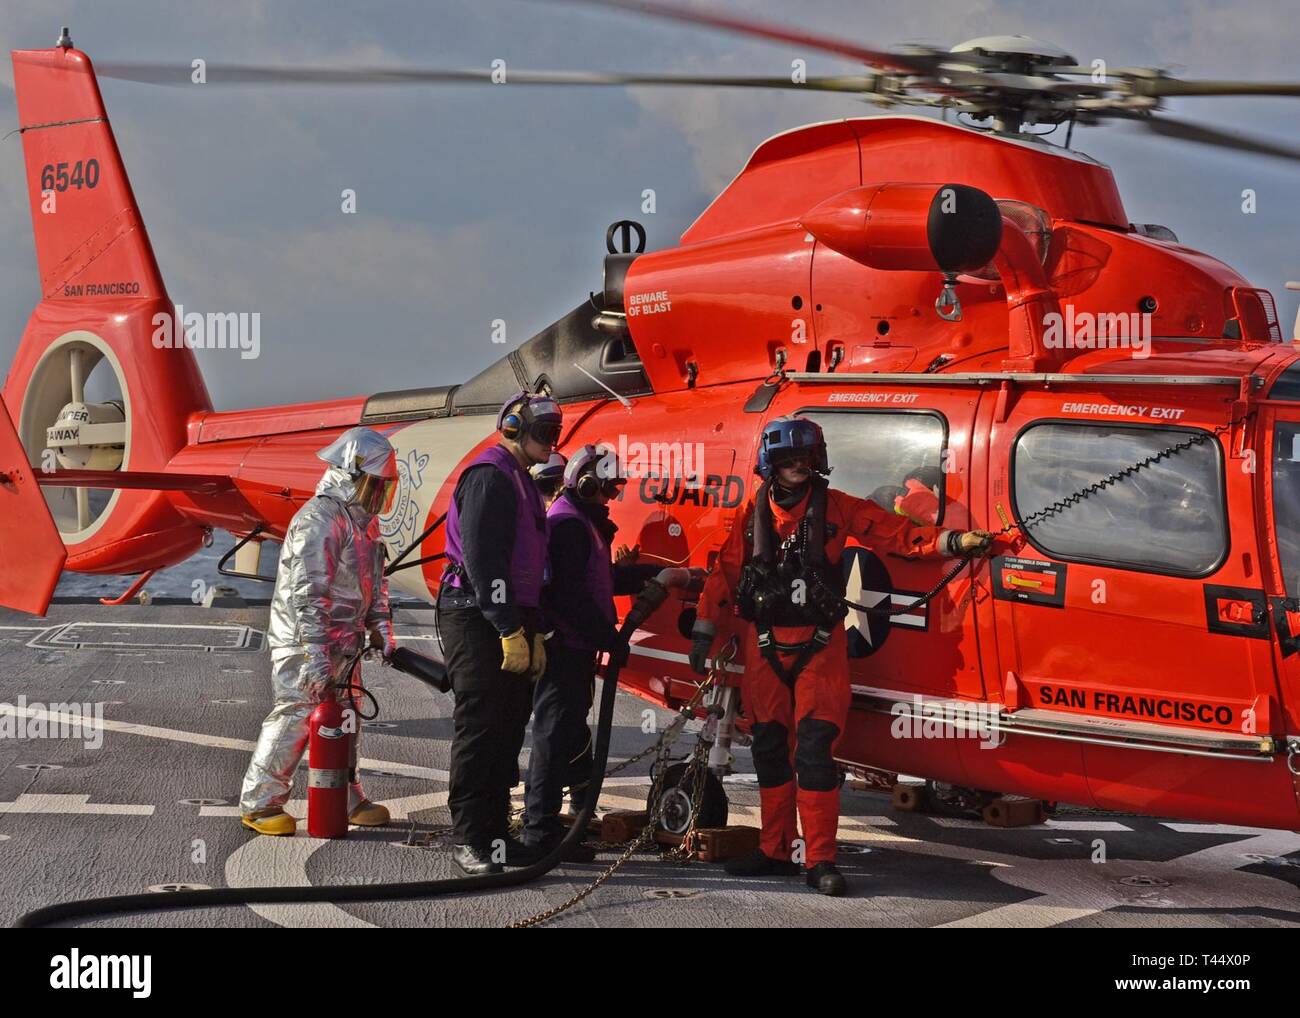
{"type": "Point", "coordinates": [906, 446]}
{"type": "Point", "coordinates": [1279, 479]}
{"type": "Point", "coordinates": [1133, 605]}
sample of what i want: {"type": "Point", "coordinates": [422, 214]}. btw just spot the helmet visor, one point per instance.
{"type": "Point", "coordinates": [376, 494]}
{"type": "Point", "coordinates": [546, 433]}
{"type": "Point", "coordinates": [784, 457]}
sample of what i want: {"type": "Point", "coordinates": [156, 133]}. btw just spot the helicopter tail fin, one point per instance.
{"type": "Point", "coordinates": [90, 239]}
{"type": "Point", "coordinates": [90, 386]}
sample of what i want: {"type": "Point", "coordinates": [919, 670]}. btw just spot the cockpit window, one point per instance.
{"type": "Point", "coordinates": [1168, 517]}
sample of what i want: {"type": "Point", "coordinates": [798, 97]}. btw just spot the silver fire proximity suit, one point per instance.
{"type": "Point", "coordinates": [330, 590]}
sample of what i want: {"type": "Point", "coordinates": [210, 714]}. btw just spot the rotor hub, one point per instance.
{"type": "Point", "coordinates": [1017, 52]}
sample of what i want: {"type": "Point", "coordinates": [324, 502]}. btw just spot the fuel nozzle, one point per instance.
{"type": "Point", "coordinates": [655, 593]}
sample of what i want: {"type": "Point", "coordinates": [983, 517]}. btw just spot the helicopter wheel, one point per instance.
{"type": "Point", "coordinates": [678, 800]}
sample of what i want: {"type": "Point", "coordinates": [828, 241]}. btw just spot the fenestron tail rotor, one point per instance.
{"type": "Point", "coordinates": [63, 430]}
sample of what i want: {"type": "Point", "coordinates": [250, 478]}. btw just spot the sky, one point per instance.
{"type": "Point", "coordinates": [478, 203]}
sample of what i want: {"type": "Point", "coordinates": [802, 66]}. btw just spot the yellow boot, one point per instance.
{"type": "Point", "coordinates": [277, 823]}
{"type": "Point", "coordinates": [368, 814]}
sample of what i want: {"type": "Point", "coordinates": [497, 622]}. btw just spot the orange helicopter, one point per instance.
{"type": "Point", "coordinates": [966, 310]}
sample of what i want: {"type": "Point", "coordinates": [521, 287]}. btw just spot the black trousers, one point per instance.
{"type": "Point", "coordinates": [561, 739]}
{"type": "Point", "coordinates": [490, 716]}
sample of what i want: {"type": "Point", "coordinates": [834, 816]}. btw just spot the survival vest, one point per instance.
{"type": "Point", "coordinates": [790, 582]}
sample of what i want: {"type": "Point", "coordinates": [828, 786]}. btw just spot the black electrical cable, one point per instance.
{"type": "Point", "coordinates": [924, 599]}
{"type": "Point", "coordinates": [351, 690]}
{"type": "Point", "coordinates": [409, 890]}
{"type": "Point", "coordinates": [396, 564]}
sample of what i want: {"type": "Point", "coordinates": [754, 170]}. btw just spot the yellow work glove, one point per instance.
{"type": "Point", "coordinates": [539, 657]}
{"type": "Point", "coordinates": [514, 652]}
{"type": "Point", "coordinates": [976, 542]}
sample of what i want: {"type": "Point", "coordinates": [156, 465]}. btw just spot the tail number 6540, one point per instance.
{"type": "Point", "coordinates": [57, 178]}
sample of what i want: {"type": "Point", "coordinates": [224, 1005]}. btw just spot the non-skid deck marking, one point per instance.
{"type": "Point", "coordinates": [961, 823]}
{"type": "Point", "coordinates": [29, 802]}
{"type": "Point", "coordinates": [200, 739]}
{"type": "Point", "coordinates": [65, 636]}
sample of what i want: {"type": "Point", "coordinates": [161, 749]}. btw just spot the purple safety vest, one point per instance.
{"type": "Point", "coordinates": [598, 577]}
{"type": "Point", "coordinates": [528, 556]}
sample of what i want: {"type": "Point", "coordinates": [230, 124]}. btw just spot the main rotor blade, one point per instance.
{"type": "Point", "coordinates": [255, 74]}
{"type": "Point", "coordinates": [1178, 87]}
{"type": "Point", "coordinates": [911, 63]}
{"type": "Point", "coordinates": [1185, 131]}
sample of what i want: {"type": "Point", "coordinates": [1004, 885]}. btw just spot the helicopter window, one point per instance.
{"type": "Point", "coordinates": [1168, 517]}
{"type": "Point", "coordinates": [1286, 501]}
{"type": "Point", "coordinates": [1287, 385]}
{"type": "Point", "coordinates": [893, 458]}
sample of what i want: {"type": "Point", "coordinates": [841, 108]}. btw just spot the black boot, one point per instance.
{"type": "Point", "coordinates": [577, 796]}
{"type": "Point", "coordinates": [520, 854]}
{"type": "Point", "coordinates": [474, 861]}
{"type": "Point", "coordinates": [757, 864]}
{"type": "Point", "coordinates": [824, 878]}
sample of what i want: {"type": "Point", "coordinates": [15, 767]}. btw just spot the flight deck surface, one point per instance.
{"type": "Point", "coordinates": [183, 691]}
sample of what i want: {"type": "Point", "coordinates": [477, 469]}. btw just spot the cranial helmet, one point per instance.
{"type": "Point", "coordinates": [551, 470]}
{"type": "Point", "coordinates": [593, 469]}
{"type": "Point", "coordinates": [549, 476]}
{"type": "Point", "coordinates": [530, 415]}
{"type": "Point", "coordinates": [786, 438]}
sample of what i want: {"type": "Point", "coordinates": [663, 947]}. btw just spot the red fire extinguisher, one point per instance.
{"type": "Point", "coordinates": [330, 747]}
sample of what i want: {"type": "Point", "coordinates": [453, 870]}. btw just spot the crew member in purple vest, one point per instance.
{"type": "Point", "coordinates": [579, 602]}
{"type": "Point", "coordinates": [490, 620]}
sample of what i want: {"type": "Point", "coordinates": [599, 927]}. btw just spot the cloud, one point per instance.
{"type": "Point", "coordinates": [387, 260]}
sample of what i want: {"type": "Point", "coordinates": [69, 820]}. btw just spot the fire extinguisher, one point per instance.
{"type": "Point", "coordinates": [331, 763]}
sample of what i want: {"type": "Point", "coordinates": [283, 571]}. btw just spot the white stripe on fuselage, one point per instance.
{"type": "Point", "coordinates": [429, 453]}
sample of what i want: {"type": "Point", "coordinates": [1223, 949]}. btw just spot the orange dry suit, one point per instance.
{"type": "Point", "coordinates": [795, 688]}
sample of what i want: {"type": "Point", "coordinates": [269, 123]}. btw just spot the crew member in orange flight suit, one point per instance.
{"type": "Point", "coordinates": [780, 570]}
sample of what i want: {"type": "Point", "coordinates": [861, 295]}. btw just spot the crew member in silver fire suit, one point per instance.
{"type": "Point", "coordinates": [330, 592]}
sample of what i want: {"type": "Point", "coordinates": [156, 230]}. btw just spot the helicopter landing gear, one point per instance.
{"type": "Point", "coordinates": [691, 791]}
{"type": "Point", "coordinates": [679, 794]}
